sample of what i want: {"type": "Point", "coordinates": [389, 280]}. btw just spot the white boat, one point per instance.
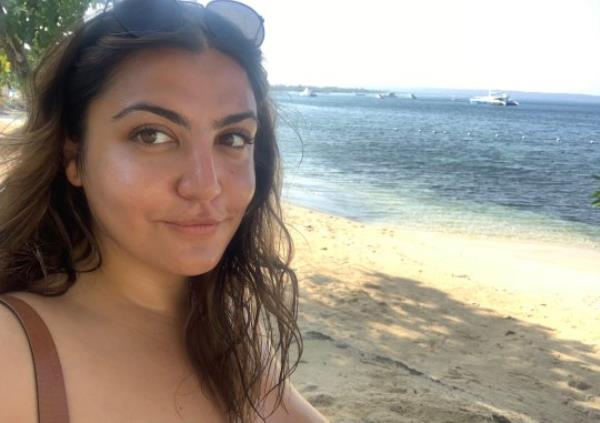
{"type": "Point", "coordinates": [494, 98]}
{"type": "Point", "coordinates": [308, 93]}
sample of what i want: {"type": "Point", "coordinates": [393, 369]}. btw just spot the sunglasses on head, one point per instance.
{"type": "Point", "coordinates": [139, 17]}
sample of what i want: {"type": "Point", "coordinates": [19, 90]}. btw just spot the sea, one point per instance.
{"type": "Point", "coordinates": [443, 164]}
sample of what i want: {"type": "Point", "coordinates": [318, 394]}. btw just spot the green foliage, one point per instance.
{"type": "Point", "coordinates": [40, 22]}
{"type": "Point", "coordinates": [596, 195]}
{"type": "Point", "coordinates": [5, 73]}
{"type": "Point", "coordinates": [28, 27]}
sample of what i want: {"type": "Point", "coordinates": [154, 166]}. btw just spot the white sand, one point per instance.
{"type": "Point", "coordinates": [404, 326]}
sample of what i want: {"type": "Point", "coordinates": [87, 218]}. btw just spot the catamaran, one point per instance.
{"type": "Point", "coordinates": [308, 92]}
{"type": "Point", "coordinates": [495, 98]}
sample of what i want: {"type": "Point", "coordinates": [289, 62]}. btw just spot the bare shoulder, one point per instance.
{"type": "Point", "coordinates": [17, 384]}
{"type": "Point", "coordinates": [294, 408]}
{"type": "Point", "coordinates": [297, 409]}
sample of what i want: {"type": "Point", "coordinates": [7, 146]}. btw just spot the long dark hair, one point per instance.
{"type": "Point", "coordinates": [242, 314]}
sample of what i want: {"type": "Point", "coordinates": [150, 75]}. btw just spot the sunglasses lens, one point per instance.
{"type": "Point", "coordinates": [260, 35]}
{"type": "Point", "coordinates": [147, 16]}
{"type": "Point", "coordinates": [141, 17]}
{"type": "Point", "coordinates": [243, 17]}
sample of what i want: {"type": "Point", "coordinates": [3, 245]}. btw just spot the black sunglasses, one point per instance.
{"type": "Point", "coordinates": [139, 17]}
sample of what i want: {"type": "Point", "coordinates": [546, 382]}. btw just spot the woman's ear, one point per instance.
{"type": "Point", "coordinates": [71, 155]}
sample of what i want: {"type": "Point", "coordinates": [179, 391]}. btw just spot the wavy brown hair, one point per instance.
{"type": "Point", "coordinates": [243, 314]}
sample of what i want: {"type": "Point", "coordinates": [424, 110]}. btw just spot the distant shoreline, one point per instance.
{"type": "Point", "coordinates": [441, 92]}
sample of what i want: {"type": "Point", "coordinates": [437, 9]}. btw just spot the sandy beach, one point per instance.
{"type": "Point", "coordinates": [406, 326]}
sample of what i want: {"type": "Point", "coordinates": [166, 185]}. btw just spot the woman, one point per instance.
{"type": "Point", "coordinates": [139, 217]}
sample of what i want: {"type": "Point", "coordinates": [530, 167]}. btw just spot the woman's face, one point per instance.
{"type": "Point", "coordinates": [168, 165]}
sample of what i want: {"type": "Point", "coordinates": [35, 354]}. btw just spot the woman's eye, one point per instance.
{"type": "Point", "coordinates": [236, 140]}
{"type": "Point", "coordinates": [151, 136]}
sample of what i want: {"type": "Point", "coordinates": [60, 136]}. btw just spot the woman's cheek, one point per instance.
{"type": "Point", "coordinates": [119, 182]}
{"type": "Point", "coordinates": [241, 185]}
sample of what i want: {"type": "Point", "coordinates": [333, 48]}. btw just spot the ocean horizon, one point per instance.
{"type": "Point", "coordinates": [462, 94]}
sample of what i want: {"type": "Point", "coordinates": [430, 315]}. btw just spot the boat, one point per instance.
{"type": "Point", "coordinates": [410, 96]}
{"type": "Point", "coordinates": [494, 98]}
{"type": "Point", "coordinates": [308, 93]}
{"type": "Point", "coordinates": [382, 96]}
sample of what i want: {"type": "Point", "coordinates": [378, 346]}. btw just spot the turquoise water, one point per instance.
{"type": "Point", "coordinates": [445, 165]}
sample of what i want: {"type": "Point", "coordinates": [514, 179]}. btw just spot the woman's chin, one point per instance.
{"type": "Point", "coordinates": [196, 268]}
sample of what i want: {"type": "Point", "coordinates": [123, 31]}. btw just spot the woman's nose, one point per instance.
{"type": "Point", "coordinates": [199, 180]}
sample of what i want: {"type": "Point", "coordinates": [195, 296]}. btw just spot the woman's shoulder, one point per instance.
{"type": "Point", "coordinates": [17, 384]}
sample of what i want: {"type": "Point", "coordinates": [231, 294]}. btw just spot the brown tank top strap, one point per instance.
{"type": "Point", "coordinates": [50, 385]}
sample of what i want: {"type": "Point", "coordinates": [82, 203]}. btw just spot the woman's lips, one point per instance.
{"type": "Point", "coordinates": [202, 227]}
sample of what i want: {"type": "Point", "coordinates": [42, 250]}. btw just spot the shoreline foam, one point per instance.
{"type": "Point", "coordinates": [511, 225]}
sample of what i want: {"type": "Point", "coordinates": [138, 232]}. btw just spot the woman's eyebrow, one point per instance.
{"type": "Point", "coordinates": [175, 117]}
{"type": "Point", "coordinates": [237, 117]}
{"type": "Point", "coordinates": [171, 115]}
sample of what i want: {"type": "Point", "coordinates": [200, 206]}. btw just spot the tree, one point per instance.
{"type": "Point", "coordinates": [28, 27]}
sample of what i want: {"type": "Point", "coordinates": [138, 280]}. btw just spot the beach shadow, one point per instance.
{"type": "Point", "coordinates": [409, 329]}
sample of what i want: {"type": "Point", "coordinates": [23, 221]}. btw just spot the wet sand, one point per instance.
{"type": "Point", "coordinates": [413, 326]}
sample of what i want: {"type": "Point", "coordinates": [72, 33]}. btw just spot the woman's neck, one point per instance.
{"type": "Point", "coordinates": [126, 292]}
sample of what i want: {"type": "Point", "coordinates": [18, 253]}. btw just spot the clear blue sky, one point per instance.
{"type": "Point", "coordinates": [525, 45]}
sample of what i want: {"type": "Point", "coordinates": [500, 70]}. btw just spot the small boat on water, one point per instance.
{"type": "Point", "coordinates": [494, 98]}
{"type": "Point", "coordinates": [382, 96]}
{"type": "Point", "coordinates": [308, 93]}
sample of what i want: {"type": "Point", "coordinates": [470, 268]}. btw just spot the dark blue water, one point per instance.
{"type": "Point", "coordinates": [445, 165]}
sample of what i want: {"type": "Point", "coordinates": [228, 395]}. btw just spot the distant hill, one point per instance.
{"type": "Point", "coordinates": [279, 87]}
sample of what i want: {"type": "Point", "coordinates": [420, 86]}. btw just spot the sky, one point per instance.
{"type": "Point", "coordinates": [518, 45]}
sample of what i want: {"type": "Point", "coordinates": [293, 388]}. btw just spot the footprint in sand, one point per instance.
{"type": "Point", "coordinates": [389, 362]}
{"type": "Point", "coordinates": [372, 286]}
{"type": "Point", "coordinates": [310, 388]}
{"type": "Point", "coordinates": [397, 390]}
{"type": "Point", "coordinates": [396, 409]}
{"type": "Point", "coordinates": [582, 386]}
{"type": "Point", "coordinates": [317, 336]}
{"type": "Point", "coordinates": [454, 373]}
{"type": "Point", "coordinates": [321, 400]}
{"type": "Point", "coordinates": [359, 296]}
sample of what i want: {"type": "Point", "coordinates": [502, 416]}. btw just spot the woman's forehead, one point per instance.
{"type": "Point", "coordinates": [209, 83]}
